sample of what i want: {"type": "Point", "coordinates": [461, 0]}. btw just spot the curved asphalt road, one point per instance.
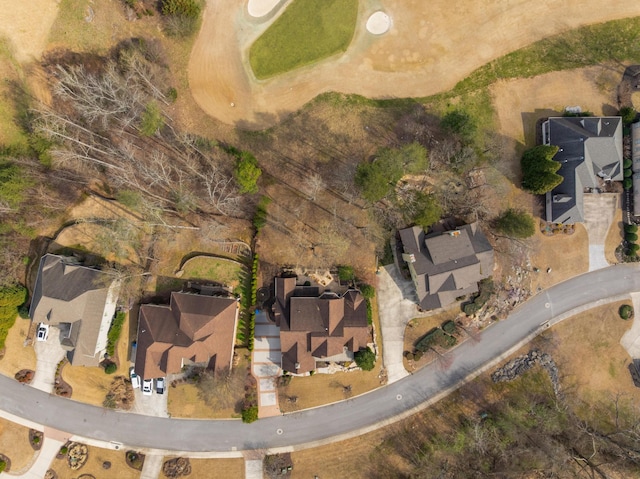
{"type": "Point", "coordinates": [340, 420]}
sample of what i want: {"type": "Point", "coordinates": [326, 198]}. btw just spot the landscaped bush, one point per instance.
{"type": "Point", "coordinates": [435, 337]}
{"type": "Point", "coordinates": [628, 173]}
{"type": "Point", "coordinates": [260, 216]}
{"type": "Point", "coordinates": [346, 273]}
{"type": "Point", "coordinates": [486, 288]}
{"type": "Point", "coordinates": [367, 291]}
{"type": "Point", "coordinates": [628, 114]}
{"type": "Point", "coordinates": [625, 311]}
{"type": "Point", "coordinates": [630, 228]}
{"type": "Point", "coordinates": [181, 16]}
{"type": "Point", "coordinates": [631, 237]}
{"type": "Point", "coordinates": [64, 450]}
{"type": "Point", "coordinates": [114, 332]}
{"type": "Point", "coordinates": [250, 414]}
{"type": "Point", "coordinates": [110, 368]}
{"type": "Point", "coordinates": [250, 311]}
{"type": "Point", "coordinates": [633, 248]}
{"type": "Point", "coordinates": [3, 465]}
{"type": "Point", "coordinates": [247, 172]}
{"type": "Point", "coordinates": [627, 183]}
{"type": "Point", "coordinates": [627, 163]}
{"type": "Point", "coordinates": [365, 359]}
{"type": "Point", "coordinates": [449, 327]}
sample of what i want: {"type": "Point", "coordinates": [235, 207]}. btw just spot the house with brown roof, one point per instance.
{"type": "Point", "coordinates": [326, 327]}
{"type": "Point", "coordinates": [192, 330]}
{"type": "Point", "coordinates": [80, 302]}
{"type": "Point", "coordinates": [446, 265]}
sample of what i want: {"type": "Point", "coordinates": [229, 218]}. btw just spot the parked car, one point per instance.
{"type": "Point", "coordinates": [135, 379]}
{"type": "Point", "coordinates": [147, 387]}
{"type": "Point", "coordinates": [160, 385]}
{"type": "Point", "coordinates": [43, 332]}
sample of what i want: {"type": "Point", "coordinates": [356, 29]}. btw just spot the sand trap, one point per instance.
{"type": "Point", "coordinates": [379, 23]}
{"type": "Point", "coordinates": [260, 8]}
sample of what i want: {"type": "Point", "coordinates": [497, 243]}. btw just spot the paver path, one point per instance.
{"type": "Point", "coordinates": [53, 441]}
{"type": "Point", "coordinates": [265, 364]}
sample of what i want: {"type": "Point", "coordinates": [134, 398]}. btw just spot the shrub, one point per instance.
{"type": "Point", "coordinates": [247, 172]}
{"type": "Point", "coordinates": [627, 163]}
{"type": "Point", "coordinates": [628, 114]}
{"type": "Point", "coordinates": [64, 450]}
{"type": "Point", "coordinates": [625, 311]}
{"type": "Point", "coordinates": [260, 216]}
{"type": "Point", "coordinates": [181, 16]}
{"type": "Point", "coordinates": [515, 223]}
{"type": "Point", "coordinates": [449, 327]}
{"type": "Point", "coordinates": [410, 356]}
{"type": "Point", "coordinates": [151, 120]}
{"type": "Point", "coordinates": [429, 340]}
{"type": "Point", "coordinates": [3, 465]}
{"type": "Point", "coordinates": [633, 248]}
{"type": "Point", "coordinates": [36, 440]}
{"type": "Point", "coordinates": [368, 291]}
{"type": "Point", "coordinates": [172, 95]}
{"type": "Point", "coordinates": [250, 414]}
{"type": "Point", "coordinates": [631, 237]}
{"type": "Point", "coordinates": [114, 332]}
{"type": "Point", "coordinates": [627, 183]}
{"type": "Point", "coordinates": [417, 356]}
{"type": "Point", "coordinates": [628, 173]}
{"type": "Point", "coordinates": [369, 311]}
{"type": "Point", "coordinates": [460, 123]}
{"type": "Point", "coordinates": [539, 169]}
{"type": "Point", "coordinates": [365, 359]}
{"type": "Point", "coordinates": [346, 273]}
{"type": "Point", "coordinates": [630, 228]}
{"type": "Point", "coordinates": [110, 368]}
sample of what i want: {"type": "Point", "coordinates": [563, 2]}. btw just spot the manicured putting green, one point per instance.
{"type": "Point", "coordinates": [307, 31]}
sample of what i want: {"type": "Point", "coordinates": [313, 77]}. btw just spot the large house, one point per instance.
{"type": "Point", "coordinates": [445, 266]}
{"type": "Point", "coordinates": [80, 302]}
{"type": "Point", "coordinates": [326, 327]}
{"type": "Point", "coordinates": [589, 151]}
{"type": "Point", "coordinates": [192, 330]}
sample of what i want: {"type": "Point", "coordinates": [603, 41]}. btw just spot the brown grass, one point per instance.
{"type": "Point", "coordinates": [94, 463]}
{"type": "Point", "coordinates": [90, 385]}
{"type": "Point", "coordinates": [614, 237]}
{"type": "Point", "coordinates": [184, 401]}
{"type": "Point", "coordinates": [566, 255]}
{"type": "Point", "coordinates": [214, 269]}
{"type": "Point", "coordinates": [14, 443]}
{"type": "Point", "coordinates": [589, 355]}
{"type": "Point", "coordinates": [18, 356]}
{"type": "Point", "coordinates": [216, 468]}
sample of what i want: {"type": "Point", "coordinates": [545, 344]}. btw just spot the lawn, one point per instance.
{"type": "Point", "coordinates": [10, 71]}
{"type": "Point", "coordinates": [14, 443]}
{"type": "Point", "coordinates": [307, 31]}
{"type": "Point", "coordinates": [94, 466]}
{"type": "Point", "coordinates": [214, 269]}
{"type": "Point", "coordinates": [230, 468]}
{"type": "Point", "coordinates": [17, 356]}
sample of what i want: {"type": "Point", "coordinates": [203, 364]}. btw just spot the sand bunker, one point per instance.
{"type": "Point", "coordinates": [260, 8]}
{"type": "Point", "coordinates": [379, 23]}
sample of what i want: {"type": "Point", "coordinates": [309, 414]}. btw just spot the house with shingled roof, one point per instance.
{"type": "Point", "coordinates": [80, 302]}
{"type": "Point", "coordinates": [589, 152]}
{"type": "Point", "coordinates": [326, 327]}
{"type": "Point", "coordinates": [192, 330]}
{"type": "Point", "coordinates": [446, 265]}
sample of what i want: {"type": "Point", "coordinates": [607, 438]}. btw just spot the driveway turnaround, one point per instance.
{"type": "Point", "coordinates": [337, 421]}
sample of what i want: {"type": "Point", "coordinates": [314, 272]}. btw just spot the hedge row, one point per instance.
{"type": "Point", "coordinates": [251, 309]}
{"type": "Point", "coordinates": [114, 332]}
{"type": "Point", "coordinates": [435, 337]}
{"type": "Point", "coordinates": [486, 289]}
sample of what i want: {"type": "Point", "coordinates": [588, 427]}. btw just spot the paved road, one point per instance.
{"type": "Point", "coordinates": [340, 420]}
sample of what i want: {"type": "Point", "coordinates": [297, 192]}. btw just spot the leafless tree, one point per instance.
{"type": "Point", "coordinates": [312, 185]}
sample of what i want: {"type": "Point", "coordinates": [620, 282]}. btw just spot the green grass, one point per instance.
{"type": "Point", "coordinates": [214, 269]}
{"type": "Point", "coordinates": [10, 71]}
{"type": "Point", "coordinates": [307, 31]}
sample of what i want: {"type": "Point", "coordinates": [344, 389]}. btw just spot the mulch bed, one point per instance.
{"type": "Point", "coordinates": [135, 460]}
{"type": "Point", "coordinates": [60, 455]}
{"type": "Point", "coordinates": [61, 387]}
{"type": "Point", "coordinates": [51, 474]}
{"type": "Point", "coordinates": [7, 462]}
{"type": "Point", "coordinates": [25, 376]}
{"type": "Point", "coordinates": [36, 444]}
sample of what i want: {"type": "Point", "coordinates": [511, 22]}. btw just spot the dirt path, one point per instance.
{"type": "Point", "coordinates": [429, 48]}
{"type": "Point", "coordinates": [26, 24]}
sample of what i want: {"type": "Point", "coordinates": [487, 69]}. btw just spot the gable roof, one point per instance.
{"type": "Point", "coordinates": [589, 147]}
{"type": "Point", "coordinates": [446, 265]}
{"type": "Point", "coordinates": [192, 328]}
{"type": "Point", "coordinates": [81, 301]}
{"type": "Point", "coordinates": [317, 327]}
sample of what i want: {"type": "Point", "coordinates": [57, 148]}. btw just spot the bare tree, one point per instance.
{"type": "Point", "coordinates": [312, 185]}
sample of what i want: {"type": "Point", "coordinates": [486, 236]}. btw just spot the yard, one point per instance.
{"type": "Point", "coordinates": [17, 356]}
{"type": "Point", "coordinates": [220, 270]}
{"type": "Point", "coordinates": [14, 443]}
{"type": "Point", "coordinates": [307, 31]}
{"type": "Point", "coordinates": [95, 466]}
{"type": "Point", "coordinates": [215, 468]}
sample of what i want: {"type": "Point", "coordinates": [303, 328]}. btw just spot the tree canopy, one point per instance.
{"type": "Point", "coordinates": [515, 223]}
{"type": "Point", "coordinates": [247, 173]}
{"type": "Point", "coordinates": [365, 359]}
{"type": "Point", "coordinates": [460, 123]}
{"type": "Point", "coordinates": [428, 209]}
{"type": "Point", "coordinates": [539, 169]}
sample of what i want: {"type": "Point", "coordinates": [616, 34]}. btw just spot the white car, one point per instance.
{"type": "Point", "coordinates": [160, 385]}
{"type": "Point", "coordinates": [43, 332]}
{"type": "Point", "coordinates": [147, 387]}
{"type": "Point", "coordinates": [135, 379]}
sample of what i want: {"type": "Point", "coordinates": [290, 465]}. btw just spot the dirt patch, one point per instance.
{"type": "Point", "coordinates": [425, 41]}
{"type": "Point", "coordinates": [19, 353]}
{"type": "Point", "coordinates": [27, 25]}
{"type": "Point", "coordinates": [94, 466]}
{"type": "Point", "coordinates": [14, 443]}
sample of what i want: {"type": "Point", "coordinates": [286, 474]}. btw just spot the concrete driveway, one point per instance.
{"type": "Point", "coordinates": [154, 405]}
{"type": "Point", "coordinates": [265, 364]}
{"type": "Point", "coordinates": [48, 354]}
{"type": "Point", "coordinates": [599, 211]}
{"type": "Point", "coordinates": [396, 306]}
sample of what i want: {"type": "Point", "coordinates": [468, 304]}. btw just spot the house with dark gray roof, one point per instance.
{"type": "Point", "coordinates": [446, 265]}
{"type": "Point", "coordinates": [326, 327]}
{"type": "Point", "coordinates": [589, 152]}
{"type": "Point", "coordinates": [193, 329]}
{"type": "Point", "coordinates": [80, 302]}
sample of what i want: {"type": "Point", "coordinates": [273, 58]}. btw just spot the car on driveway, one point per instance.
{"type": "Point", "coordinates": [147, 387]}
{"type": "Point", "coordinates": [135, 379]}
{"type": "Point", "coordinates": [160, 385]}
{"type": "Point", "coordinates": [43, 332]}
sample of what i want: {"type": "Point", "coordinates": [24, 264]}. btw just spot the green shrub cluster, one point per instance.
{"type": "Point", "coordinates": [247, 172]}
{"type": "Point", "coordinates": [181, 16]}
{"type": "Point", "coordinates": [110, 367]}
{"type": "Point", "coordinates": [114, 332]}
{"type": "Point", "coordinates": [435, 337]}
{"type": "Point", "coordinates": [627, 182]}
{"type": "Point", "coordinates": [3, 465]}
{"type": "Point", "coordinates": [251, 326]}
{"type": "Point", "coordinates": [365, 359]}
{"type": "Point", "coordinates": [250, 414]}
{"type": "Point", "coordinates": [486, 288]}
{"type": "Point", "coordinates": [625, 311]}
{"type": "Point", "coordinates": [11, 297]}
{"type": "Point", "coordinates": [449, 327]}
{"type": "Point", "coordinates": [628, 114]}
{"type": "Point", "coordinates": [631, 239]}
{"type": "Point", "coordinates": [515, 223]}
